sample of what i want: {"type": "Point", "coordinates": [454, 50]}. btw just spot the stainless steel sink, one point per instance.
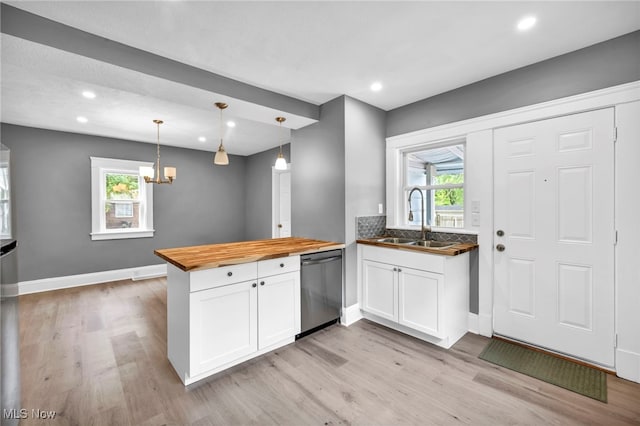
{"type": "Point", "coordinates": [395, 240]}
{"type": "Point", "coordinates": [433, 244]}
{"type": "Point", "coordinates": [420, 243]}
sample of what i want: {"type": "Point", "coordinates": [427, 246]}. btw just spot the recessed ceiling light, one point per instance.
{"type": "Point", "coordinates": [526, 23]}
{"type": "Point", "coordinates": [202, 139]}
{"type": "Point", "coordinates": [81, 119]}
{"type": "Point", "coordinates": [89, 95]}
{"type": "Point", "coordinates": [376, 87]}
{"type": "Point", "coordinates": [231, 124]}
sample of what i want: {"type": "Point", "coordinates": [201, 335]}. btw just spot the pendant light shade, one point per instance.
{"type": "Point", "coordinates": [281, 163]}
{"type": "Point", "coordinates": [221, 158]}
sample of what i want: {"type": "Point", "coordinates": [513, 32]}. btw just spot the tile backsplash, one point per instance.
{"type": "Point", "coordinates": [375, 226]}
{"type": "Point", "coordinates": [370, 226]}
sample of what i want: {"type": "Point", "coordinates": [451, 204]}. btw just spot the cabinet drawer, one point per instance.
{"type": "Point", "coordinates": [279, 265]}
{"type": "Point", "coordinates": [224, 275]}
{"type": "Point", "coordinates": [406, 258]}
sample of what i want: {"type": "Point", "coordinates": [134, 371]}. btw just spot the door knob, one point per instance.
{"type": "Point", "coordinates": [500, 247]}
{"type": "Point", "coordinates": [279, 225]}
{"type": "Point", "coordinates": [500, 233]}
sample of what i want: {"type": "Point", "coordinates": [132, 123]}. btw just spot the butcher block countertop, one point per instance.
{"type": "Point", "coordinates": [454, 250]}
{"type": "Point", "coordinates": [215, 255]}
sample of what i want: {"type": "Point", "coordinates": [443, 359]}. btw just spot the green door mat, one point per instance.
{"type": "Point", "coordinates": [557, 371]}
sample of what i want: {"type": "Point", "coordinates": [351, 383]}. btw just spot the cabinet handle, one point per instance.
{"type": "Point", "coordinates": [399, 270]}
{"type": "Point", "coordinates": [395, 269]}
{"type": "Point", "coordinates": [282, 265]}
{"type": "Point", "coordinates": [261, 282]}
{"type": "Point", "coordinates": [254, 285]}
{"type": "Point", "coordinates": [229, 273]}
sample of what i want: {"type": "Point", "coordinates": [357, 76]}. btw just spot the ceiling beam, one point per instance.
{"type": "Point", "coordinates": [19, 23]}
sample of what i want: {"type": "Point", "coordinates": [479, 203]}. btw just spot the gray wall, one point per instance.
{"type": "Point", "coordinates": [364, 178]}
{"type": "Point", "coordinates": [258, 192]}
{"type": "Point", "coordinates": [317, 176]}
{"type": "Point", "coordinates": [602, 65]}
{"type": "Point", "coordinates": [52, 183]}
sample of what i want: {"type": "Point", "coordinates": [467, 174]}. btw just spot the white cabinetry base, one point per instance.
{"type": "Point", "coordinates": [187, 380]}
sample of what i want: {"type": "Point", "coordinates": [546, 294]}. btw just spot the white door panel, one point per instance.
{"type": "Point", "coordinates": [281, 204]}
{"type": "Point", "coordinates": [554, 201]}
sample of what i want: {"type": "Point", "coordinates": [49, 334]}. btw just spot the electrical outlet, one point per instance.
{"type": "Point", "coordinates": [475, 206]}
{"type": "Point", "coordinates": [380, 208]}
{"type": "Point", "coordinates": [475, 219]}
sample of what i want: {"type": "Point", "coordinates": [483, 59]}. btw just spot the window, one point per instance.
{"type": "Point", "coordinates": [121, 202]}
{"type": "Point", "coordinates": [439, 175]}
{"type": "Point", "coordinates": [5, 201]}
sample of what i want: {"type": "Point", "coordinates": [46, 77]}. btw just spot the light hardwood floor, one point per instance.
{"type": "Point", "coordinates": [97, 356]}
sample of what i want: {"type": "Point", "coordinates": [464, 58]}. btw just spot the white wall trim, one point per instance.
{"type": "Point", "coordinates": [350, 314]}
{"type": "Point", "coordinates": [628, 365]}
{"type": "Point", "coordinates": [57, 283]}
{"type": "Point", "coordinates": [485, 325]}
{"type": "Point", "coordinates": [474, 323]}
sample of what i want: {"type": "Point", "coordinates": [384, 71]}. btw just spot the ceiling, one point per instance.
{"type": "Point", "coordinates": [312, 51]}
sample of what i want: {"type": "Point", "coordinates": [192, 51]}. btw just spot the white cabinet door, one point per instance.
{"type": "Point", "coordinates": [278, 308]}
{"type": "Point", "coordinates": [224, 326]}
{"type": "Point", "coordinates": [379, 287]}
{"type": "Point", "coordinates": [421, 297]}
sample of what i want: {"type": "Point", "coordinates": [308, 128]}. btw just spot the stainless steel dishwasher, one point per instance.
{"type": "Point", "coordinates": [320, 290]}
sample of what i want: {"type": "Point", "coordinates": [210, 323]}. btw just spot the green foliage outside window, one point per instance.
{"type": "Point", "coordinates": [452, 196]}
{"type": "Point", "coordinates": [122, 187]}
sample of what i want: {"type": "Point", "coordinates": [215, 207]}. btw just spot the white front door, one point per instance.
{"type": "Point", "coordinates": [554, 205]}
{"type": "Point", "coordinates": [281, 204]}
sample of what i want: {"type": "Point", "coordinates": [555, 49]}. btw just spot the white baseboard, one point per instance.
{"type": "Point", "coordinates": [485, 325]}
{"type": "Point", "coordinates": [628, 365]}
{"type": "Point", "coordinates": [474, 323]}
{"type": "Point", "coordinates": [57, 283]}
{"type": "Point", "coordinates": [350, 315]}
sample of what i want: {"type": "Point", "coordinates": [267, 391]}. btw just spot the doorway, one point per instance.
{"type": "Point", "coordinates": [554, 234]}
{"type": "Point", "coordinates": [281, 203]}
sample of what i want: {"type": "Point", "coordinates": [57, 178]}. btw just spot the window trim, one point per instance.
{"type": "Point", "coordinates": [5, 163]}
{"type": "Point", "coordinates": [396, 164]}
{"type": "Point", "coordinates": [99, 167]}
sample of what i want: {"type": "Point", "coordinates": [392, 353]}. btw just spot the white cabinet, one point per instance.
{"type": "Point", "coordinates": [420, 298]}
{"type": "Point", "coordinates": [380, 289]}
{"type": "Point", "coordinates": [278, 308]}
{"type": "Point", "coordinates": [224, 325]}
{"type": "Point", "coordinates": [422, 294]}
{"type": "Point", "coordinates": [217, 318]}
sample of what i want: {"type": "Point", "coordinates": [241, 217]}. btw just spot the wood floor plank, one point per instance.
{"type": "Point", "coordinates": [97, 356]}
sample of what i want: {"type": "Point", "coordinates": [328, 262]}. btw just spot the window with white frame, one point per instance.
{"type": "Point", "coordinates": [121, 201]}
{"type": "Point", "coordinates": [438, 172]}
{"type": "Point", "coordinates": [5, 201]}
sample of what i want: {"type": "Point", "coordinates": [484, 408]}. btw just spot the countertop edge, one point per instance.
{"type": "Point", "coordinates": [248, 258]}
{"type": "Point", "coordinates": [455, 250]}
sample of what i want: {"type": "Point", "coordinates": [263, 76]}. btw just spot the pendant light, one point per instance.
{"type": "Point", "coordinates": [221, 158]}
{"type": "Point", "coordinates": [148, 173]}
{"type": "Point", "coordinates": [281, 163]}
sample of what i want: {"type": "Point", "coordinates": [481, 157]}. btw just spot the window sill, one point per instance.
{"type": "Point", "coordinates": [120, 235]}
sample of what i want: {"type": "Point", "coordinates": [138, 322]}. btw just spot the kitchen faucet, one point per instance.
{"type": "Point", "coordinates": [423, 229]}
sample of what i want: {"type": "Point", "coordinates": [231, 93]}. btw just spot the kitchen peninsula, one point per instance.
{"type": "Point", "coordinates": [230, 302]}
